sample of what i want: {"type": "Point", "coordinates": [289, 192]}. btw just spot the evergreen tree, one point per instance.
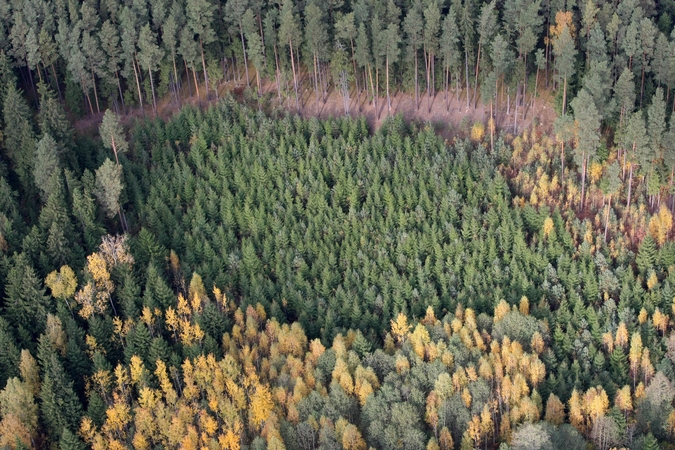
{"type": "Point", "coordinates": [70, 441]}
{"type": "Point", "coordinates": [149, 58]}
{"type": "Point", "coordinates": [254, 44]}
{"type": "Point", "coordinates": [587, 120]}
{"type": "Point", "coordinates": [60, 406]}
{"type": "Point", "coordinates": [432, 28]}
{"type": "Point", "coordinates": [290, 34]}
{"type": "Point", "coordinates": [199, 19]}
{"type": "Point", "coordinates": [565, 52]}
{"type": "Point", "coordinates": [412, 27]}
{"type": "Point", "coordinates": [46, 168]}
{"type": "Point", "coordinates": [449, 50]}
{"type": "Point", "coordinates": [25, 302]}
{"type": "Point", "coordinates": [19, 137]}
{"type": "Point", "coordinates": [109, 187]}
{"type": "Point", "coordinates": [389, 49]}
{"type": "Point", "coordinates": [316, 40]}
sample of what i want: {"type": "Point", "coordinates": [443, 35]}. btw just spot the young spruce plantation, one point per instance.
{"type": "Point", "coordinates": [191, 260]}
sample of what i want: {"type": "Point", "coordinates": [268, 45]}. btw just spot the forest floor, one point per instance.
{"type": "Point", "coordinates": [450, 118]}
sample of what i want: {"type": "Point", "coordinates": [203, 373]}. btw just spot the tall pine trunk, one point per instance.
{"type": "Point", "coordinates": [187, 74]}
{"type": "Point", "coordinates": [630, 187]}
{"type": "Point", "coordinates": [417, 90]}
{"type": "Point", "coordinates": [609, 208]}
{"type": "Point", "coordinates": [564, 96]}
{"type": "Point", "coordinates": [199, 97]}
{"type": "Point", "coordinates": [466, 69]}
{"type": "Point", "coordinates": [138, 84]}
{"type": "Point", "coordinates": [119, 88]}
{"type": "Point", "coordinates": [356, 78]}
{"type": "Point", "coordinates": [152, 88]}
{"type": "Point", "coordinates": [295, 78]}
{"type": "Point", "coordinates": [432, 81]}
{"type": "Point", "coordinates": [56, 81]}
{"type": "Point", "coordinates": [206, 76]}
{"type": "Point", "coordinates": [93, 82]}
{"type": "Point", "coordinates": [243, 49]}
{"type": "Point", "coordinates": [475, 83]}
{"type": "Point", "coordinates": [583, 180]}
{"type": "Point", "coordinates": [175, 74]}
{"type": "Point", "coordinates": [277, 73]}
{"type": "Point", "coordinates": [316, 81]}
{"type": "Point", "coordinates": [388, 97]}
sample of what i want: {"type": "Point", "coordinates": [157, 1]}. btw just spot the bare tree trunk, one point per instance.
{"type": "Point", "coordinates": [475, 92]}
{"type": "Point", "coordinates": [417, 91]}
{"type": "Point", "coordinates": [152, 88]}
{"type": "Point", "coordinates": [356, 78]}
{"type": "Point", "coordinates": [377, 87]}
{"type": "Point", "coordinates": [175, 74]}
{"type": "Point", "coordinates": [388, 97]}
{"type": "Point", "coordinates": [243, 49]}
{"type": "Point", "coordinates": [295, 78]}
{"type": "Point", "coordinates": [564, 96]}
{"type": "Point", "coordinates": [138, 84]}
{"type": "Point", "coordinates": [534, 99]}
{"type": "Point", "coordinates": [583, 181]}
{"type": "Point", "coordinates": [206, 76]}
{"type": "Point", "coordinates": [630, 186]}
{"type": "Point", "coordinates": [119, 88]}
{"type": "Point", "coordinates": [56, 80]}
{"type": "Point", "coordinates": [447, 74]}
{"type": "Point", "coordinates": [432, 94]}
{"type": "Point", "coordinates": [93, 82]}
{"type": "Point", "coordinates": [187, 73]}
{"type": "Point", "coordinates": [316, 81]}
{"type": "Point", "coordinates": [199, 97]}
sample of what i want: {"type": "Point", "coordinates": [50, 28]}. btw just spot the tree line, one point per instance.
{"type": "Point", "coordinates": [119, 55]}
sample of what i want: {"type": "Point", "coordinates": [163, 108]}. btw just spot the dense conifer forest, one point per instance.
{"type": "Point", "coordinates": [234, 276]}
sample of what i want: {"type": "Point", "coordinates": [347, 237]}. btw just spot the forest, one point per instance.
{"type": "Point", "coordinates": [236, 275]}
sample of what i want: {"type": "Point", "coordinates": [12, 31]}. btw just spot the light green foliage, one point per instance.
{"type": "Point", "coordinates": [109, 186]}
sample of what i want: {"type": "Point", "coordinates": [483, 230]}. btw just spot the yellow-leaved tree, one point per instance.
{"type": "Point", "coordinates": [660, 225]}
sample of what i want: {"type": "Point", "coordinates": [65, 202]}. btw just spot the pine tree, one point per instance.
{"type": "Point", "coordinates": [587, 121]}
{"type": "Point", "coordinates": [9, 353]}
{"type": "Point", "coordinates": [624, 92]}
{"type": "Point", "coordinates": [412, 27]}
{"type": "Point", "coordinates": [19, 137]}
{"type": "Point", "coordinates": [316, 40]}
{"type": "Point", "coordinates": [109, 187]}
{"type": "Point", "coordinates": [290, 34]}
{"type": "Point", "coordinates": [389, 48]}
{"type": "Point", "coordinates": [254, 44]}
{"type": "Point", "coordinates": [635, 143]}
{"type": "Point", "coordinates": [170, 41]}
{"type": "Point", "coordinates": [646, 257]}
{"type": "Point", "coordinates": [110, 44]}
{"type": "Point", "coordinates": [60, 406]}
{"type": "Point", "coordinates": [46, 168]}
{"type": "Point", "coordinates": [199, 19]}
{"type": "Point", "coordinates": [487, 27]}
{"type": "Point", "coordinates": [149, 58]}
{"type": "Point", "coordinates": [25, 303]}
{"type": "Point", "coordinates": [449, 50]}
{"type": "Point", "coordinates": [70, 441]}
{"type": "Point", "coordinates": [565, 52]}
{"type": "Point", "coordinates": [432, 28]}
{"type": "Point", "coordinates": [52, 121]}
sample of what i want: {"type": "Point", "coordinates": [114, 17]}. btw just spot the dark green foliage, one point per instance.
{"type": "Point", "coordinates": [70, 441]}
{"type": "Point", "coordinates": [60, 407]}
{"type": "Point", "coordinates": [25, 303]}
{"type": "Point", "coordinates": [9, 353]}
